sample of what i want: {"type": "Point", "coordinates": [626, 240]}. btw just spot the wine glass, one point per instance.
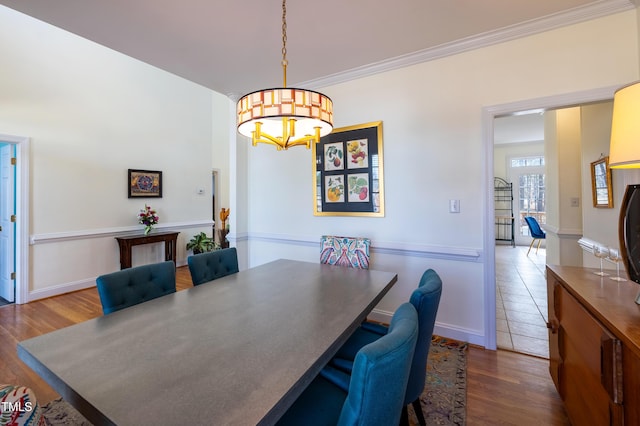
{"type": "Point", "coordinates": [600, 252]}
{"type": "Point", "coordinates": [615, 257]}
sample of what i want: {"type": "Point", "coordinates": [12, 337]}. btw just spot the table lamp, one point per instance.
{"type": "Point", "coordinates": [624, 153]}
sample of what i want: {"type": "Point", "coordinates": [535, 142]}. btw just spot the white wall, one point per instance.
{"type": "Point", "coordinates": [433, 152]}
{"type": "Point", "coordinates": [564, 186]}
{"type": "Point", "coordinates": [221, 155]}
{"type": "Point", "coordinates": [599, 224]}
{"type": "Point", "coordinates": [91, 114]}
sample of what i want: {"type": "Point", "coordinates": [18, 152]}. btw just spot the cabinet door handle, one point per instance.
{"type": "Point", "coordinates": [553, 326]}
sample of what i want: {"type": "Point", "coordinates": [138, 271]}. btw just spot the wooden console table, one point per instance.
{"type": "Point", "coordinates": [125, 244]}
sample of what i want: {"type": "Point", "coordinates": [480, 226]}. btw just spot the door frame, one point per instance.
{"type": "Point", "coordinates": [489, 114]}
{"type": "Point", "coordinates": [22, 214]}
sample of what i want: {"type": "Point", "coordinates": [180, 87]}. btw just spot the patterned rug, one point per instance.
{"type": "Point", "coordinates": [443, 400]}
{"type": "Point", "coordinates": [59, 412]}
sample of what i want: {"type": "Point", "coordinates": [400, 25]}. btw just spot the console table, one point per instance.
{"type": "Point", "coordinates": [125, 244]}
{"type": "Point", "coordinates": [594, 346]}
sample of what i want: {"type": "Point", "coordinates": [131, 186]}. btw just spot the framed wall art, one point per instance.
{"type": "Point", "coordinates": [348, 172]}
{"type": "Point", "coordinates": [144, 183]}
{"type": "Point", "coordinates": [601, 183]}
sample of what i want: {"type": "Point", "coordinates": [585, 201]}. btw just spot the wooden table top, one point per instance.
{"type": "Point", "coordinates": [235, 351]}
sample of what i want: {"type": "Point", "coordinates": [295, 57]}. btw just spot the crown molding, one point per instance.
{"type": "Point", "coordinates": [574, 16]}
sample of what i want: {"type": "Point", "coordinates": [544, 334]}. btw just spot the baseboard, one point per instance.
{"type": "Point", "coordinates": [444, 330]}
{"type": "Point", "coordinates": [57, 290]}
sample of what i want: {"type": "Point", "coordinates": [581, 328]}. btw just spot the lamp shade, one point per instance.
{"type": "Point", "coordinates": [309, 109]}
{"type": "Point", "coordinates": [624, 150]}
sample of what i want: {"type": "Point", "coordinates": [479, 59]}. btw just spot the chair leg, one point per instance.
{"type": "Point", "coordinates": [531, 245]}
{"type": "Point", "coordinates": [539, 242]}
{"type": "Point", "coordinates": [404, 417]}
{"type": "Point", "coordinates": [417, 407]}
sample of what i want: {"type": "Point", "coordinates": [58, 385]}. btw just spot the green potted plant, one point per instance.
{"type": "Point", "coordinates": [201, 243]}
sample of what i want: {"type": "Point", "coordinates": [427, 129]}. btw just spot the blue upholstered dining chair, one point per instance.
{"type": "Point", "coordinates": [208, 266]}
{"type": "Point", "coordinates": [374, 393]}
{"type": "Point", "coordinates": [352, 252]}
{"type": "Point", "coordinates": [425, 299]}
{"type": "Point", "coordinates": [536, 232]}
{"type": "Point", "coordinates": [128, 287]}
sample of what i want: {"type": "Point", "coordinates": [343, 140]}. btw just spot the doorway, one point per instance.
{"type": "Point", "coordinates": [14, 209]}
{"type": "Point", "coordinates": [214, 202]}
{"type": "Point", "coordinates": [520, 282]}
{"type": "Point", "coordinates": [489, 114]}
{"type": "Point", "coordinates": [7, 224]}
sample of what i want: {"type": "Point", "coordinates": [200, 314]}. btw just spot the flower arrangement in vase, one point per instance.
{"type": "Point", "coordinates": [148, 217]}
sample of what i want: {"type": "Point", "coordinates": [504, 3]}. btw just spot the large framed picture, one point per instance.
{"type": "Point", "coordinates": [144, 183]}
{"type": "Point", "coordinates": [348, 172]}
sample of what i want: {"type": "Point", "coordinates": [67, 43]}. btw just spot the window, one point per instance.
{"type": "Point", "coordinates": [527, 162]}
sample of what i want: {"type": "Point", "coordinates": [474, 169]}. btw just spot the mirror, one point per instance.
{"type": "Point", "coordinates": [601, 183]}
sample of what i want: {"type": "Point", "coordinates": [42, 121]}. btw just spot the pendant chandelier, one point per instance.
{"type": "Point", "coordinates": [284, 116]}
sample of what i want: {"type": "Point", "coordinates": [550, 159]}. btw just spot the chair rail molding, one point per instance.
{"type": "Point", "coordinates": [384, 247]}
{"type": "Point", "coordinates": [111, 232]}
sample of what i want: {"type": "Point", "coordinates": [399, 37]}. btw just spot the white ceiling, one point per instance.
{"type": "Point", "coordinates": [234, 46]}
{"type": "Point", "coordinates": [519, 128]}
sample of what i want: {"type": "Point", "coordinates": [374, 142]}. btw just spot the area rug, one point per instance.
{"type": "Point", "coordinates": [59, 412]}
{"type": "Point", "coordinates": [443, 400]}
{"type": "Point", "coordinates": [444, 397]}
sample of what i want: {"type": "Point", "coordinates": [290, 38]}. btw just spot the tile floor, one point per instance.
{"type": "Point", "coordinates": [521, 300]}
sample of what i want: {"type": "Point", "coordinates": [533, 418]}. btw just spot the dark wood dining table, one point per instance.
{"type": "Point", "coordinates": [235, 351]}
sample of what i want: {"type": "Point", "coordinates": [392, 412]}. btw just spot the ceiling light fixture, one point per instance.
{"type": "Point", "coordinates": [285, 117]}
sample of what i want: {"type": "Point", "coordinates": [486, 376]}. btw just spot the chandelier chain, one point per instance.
{"type": "Point", "coordinates": [284, 33]}
{"type": "Point", "coordinates": [285, 123]}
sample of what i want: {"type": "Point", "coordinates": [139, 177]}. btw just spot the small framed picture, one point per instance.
{"type": "Point", "coordinates": [144, 183]}
{"type": "Point", "coordinates": [601, 183]}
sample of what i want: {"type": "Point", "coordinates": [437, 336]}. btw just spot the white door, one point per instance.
{"type": "Point", "coordinates": [7, 227]}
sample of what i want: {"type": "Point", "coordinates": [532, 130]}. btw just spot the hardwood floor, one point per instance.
{"type": "Point", "coordinates": [504, 388]}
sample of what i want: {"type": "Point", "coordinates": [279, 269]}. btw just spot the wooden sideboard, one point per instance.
{"type": "Point", "coordinates": [125, 244]}
{"type": "Point", "coordinates": [594, 346]}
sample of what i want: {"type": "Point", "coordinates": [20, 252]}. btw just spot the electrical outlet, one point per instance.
{"type": "Point", "coordinates": [575, 202]}
{"type": "Point", "coordinates": [454, 206]}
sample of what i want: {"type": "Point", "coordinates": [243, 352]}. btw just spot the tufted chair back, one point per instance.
{"type": "Point", "coordinates": [209, 266]}
{"type": "Point", "coordinates": [380, 374]}
{"type": "Point", "coordinates": [426, 299]}
{"type": "Point", "coordinates": [128, 287]}
{"type": "Point", "coordinates": [374, 393]}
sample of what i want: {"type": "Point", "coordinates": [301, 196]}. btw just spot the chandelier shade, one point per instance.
{"type": "Point", "coordinates": [624, 149]}
{"type": "Point", "coordinates": [285, 116]}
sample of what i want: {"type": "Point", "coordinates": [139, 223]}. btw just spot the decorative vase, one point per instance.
{"type": "Point", "coordinates": [147, 229]}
